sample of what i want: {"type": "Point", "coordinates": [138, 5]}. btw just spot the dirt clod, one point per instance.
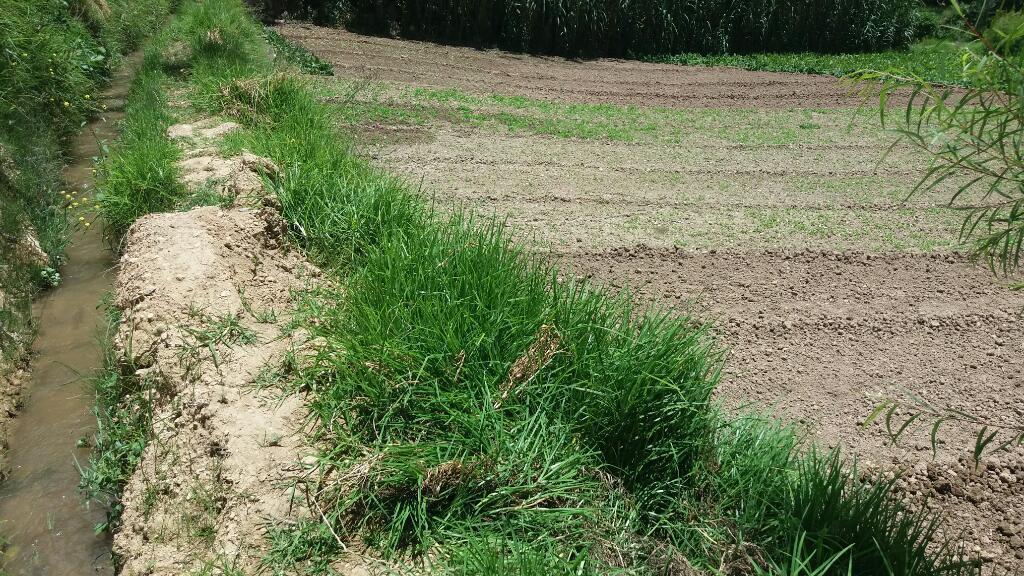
{"type": "Point", "coordinates": [239, 177]}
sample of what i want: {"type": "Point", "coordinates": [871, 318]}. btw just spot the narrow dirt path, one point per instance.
{"type": "Point", "coordinates": [50, 529]}
{"type": "Point", "coordinates": [223, 448]}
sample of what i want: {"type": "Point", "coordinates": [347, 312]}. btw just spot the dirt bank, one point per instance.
{"type": "Point", "coordinates": [197, 290]}
{"type": "Point", "coordinates": [596, 81]}
{"type": "Point", "coordinates": [14, 375]}
{"type": "Point", "coordinates": [206, 296]}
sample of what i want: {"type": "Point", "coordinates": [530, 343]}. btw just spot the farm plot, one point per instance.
{"type": "Point", "coordinates": [759, 201]}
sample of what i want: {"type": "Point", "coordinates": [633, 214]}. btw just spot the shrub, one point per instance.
{"type": "Point", "coordinates": [1006, 33]}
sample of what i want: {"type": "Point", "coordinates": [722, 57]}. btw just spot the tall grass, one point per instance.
{"type": "Point", "coordinates": [477, 412]}
{"type": "Point", "coordinates": [141, 177]}
{"type": "Point", "coordinates": [643, 27]}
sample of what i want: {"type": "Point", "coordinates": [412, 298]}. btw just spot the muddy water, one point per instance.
{"type": "Point", "coordinates": [49, 527]}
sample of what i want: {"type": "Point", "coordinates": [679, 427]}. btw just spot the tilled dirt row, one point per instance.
{"type": "Point", "coordinates": [586, 194]}
{"type": "Point", "coordinates": [602, 81]}
{"type": "Point", "coordinates": [205, 296]}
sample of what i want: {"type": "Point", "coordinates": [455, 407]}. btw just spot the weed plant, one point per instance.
{"type": "Point", "coordinates": [305, 60]}
{"type": "Point", "coordinates": [124, 417]}
{"type": "Point", "coordinates": [479, 413]}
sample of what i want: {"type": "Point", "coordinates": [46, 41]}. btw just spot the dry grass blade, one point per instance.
{"type": "Point", "coordinates": [441, 478]}
{"type": "Point", "coordinates": [537, 356]}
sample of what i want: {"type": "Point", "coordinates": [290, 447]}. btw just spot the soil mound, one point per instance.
{"type": "Point", "coordinates": [205, 297]}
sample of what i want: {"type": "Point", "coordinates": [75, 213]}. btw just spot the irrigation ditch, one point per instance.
{"type": "Point", "coordinates": [48, 527]}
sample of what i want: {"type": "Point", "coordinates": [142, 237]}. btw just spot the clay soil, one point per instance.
{"type": "Point", "coordinates": [828, 290]}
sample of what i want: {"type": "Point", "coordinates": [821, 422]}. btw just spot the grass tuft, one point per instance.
{"type": "Point", "coordinates": [293, 53]}
{"type": "Point", "coordinates": [141, 175]}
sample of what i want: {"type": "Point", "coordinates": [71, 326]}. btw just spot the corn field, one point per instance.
{"type": "Point", "coordinates": [643, 27]}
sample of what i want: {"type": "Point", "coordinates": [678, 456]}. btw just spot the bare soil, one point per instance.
{"type": "Point", "coordinates": [596, 81]}
{"type": "Point", "coordinates": [829, 291]}
{"type": "Point", "coordinates": [206, 296]}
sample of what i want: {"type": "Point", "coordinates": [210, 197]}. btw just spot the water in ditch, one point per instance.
{"type": "Point", "coordinates": [44, 518]}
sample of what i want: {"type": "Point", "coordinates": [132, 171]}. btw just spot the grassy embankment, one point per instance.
{"type": "Point", "coordinates": [473, 409]}
{"type": "Point", "coordinates": [54, 56]}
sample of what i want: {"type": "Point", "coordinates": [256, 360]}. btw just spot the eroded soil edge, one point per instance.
{"type": "Point", "coordinates": [205, 297]}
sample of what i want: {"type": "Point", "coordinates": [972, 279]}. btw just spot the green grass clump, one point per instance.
{"type": "Point", "coordinates": [140, 176]}
{"type": "Point", "coordinates": [124, 417]}
{"type": "Point", "coordinates": [932, 60]}
{"type": "Point", "coordinates": [479, 413]}
{"type": "Point", "coordinates": [306, 61]}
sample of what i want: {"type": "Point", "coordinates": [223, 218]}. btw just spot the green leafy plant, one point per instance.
{"type": "Point", "coordinates": [974, 138]}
